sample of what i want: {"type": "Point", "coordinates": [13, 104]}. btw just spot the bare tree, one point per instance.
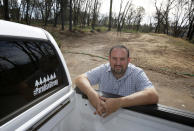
{"type": "Point", "coordinates": [191, 19]}
{"type": "Point", "coordinates": [26, 6]}
{"type": "Point", "coordinates": [169, 6]}
{"type": "Point", "coordinates": [104, 20]}
{"type": "Point", "coordinates": [62, 14]}
{"type": "Point", "coordinates": [14, 10]}
{"type": "Point", "coordinates": [96, 7]}
{"type": "Point", "coordinates": [114, 20]}
{"type": "Point", "coordinates": [162, 16]}
{"type": "Point", "coordinates": [130, 17]}
{"type": "Point", "coordinates": [37, 12]}
{"type": "Point", "coordinates": [138, 17]}
{"type": "Point", "coordinates": [110, 16]}
{"type": "Point", "coordinates": [6, 10]}
{"type": "Point", "coordinates": [41, 9]}
{"type": "Point", "coordinates": [27, 10]}
{"type": "Point", "coordinates": [56, 11]}
{"type": "Point", "coordinates": [32, 6]}
{"type": "Point", "coordinates": [122, 15]}
{"type": "Point", "coordinates": [85, 12]}
{"type": "Point", "coordinates": [180, 21]}
{"type": "Point", "coordinates": [89, 14]}
{"type": "Point", "coordinates": [158, 17]}
{"type": "Point", "coordinates": [70, 15]}
{"type": "Point", "coordinates": [119, 16]}
{"type": "Point", "coordinates": [48, 5]}
{"type": "Point", "coordinates": [75, 9]}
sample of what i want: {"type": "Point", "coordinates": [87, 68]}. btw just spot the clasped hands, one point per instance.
{"type": "Point", "coordinates": [104, 106]}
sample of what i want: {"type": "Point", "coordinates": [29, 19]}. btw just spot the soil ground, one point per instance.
{"type": "Point", "coordinates": [167, 61]}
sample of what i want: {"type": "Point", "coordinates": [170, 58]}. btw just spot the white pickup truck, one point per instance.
{"type": "Point", "coordinates": [36, 91]}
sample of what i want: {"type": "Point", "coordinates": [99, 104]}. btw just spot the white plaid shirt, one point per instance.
{"type": "Point", "coordinates": [133, 81]}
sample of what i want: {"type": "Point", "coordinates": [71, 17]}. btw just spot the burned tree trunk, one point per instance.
{"type": "Point", "coordinates": [110, 16]}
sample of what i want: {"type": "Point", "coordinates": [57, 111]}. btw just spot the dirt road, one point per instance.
{"type": "Point", "coordinates": [167, 64]}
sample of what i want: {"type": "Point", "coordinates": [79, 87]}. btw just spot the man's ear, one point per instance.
{"type": "Point", "coordinates": [129, 59]}
{"type": "Point", "coordinates": [109, 57]}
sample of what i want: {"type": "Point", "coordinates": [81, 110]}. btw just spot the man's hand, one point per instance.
{"type": "Point", "coordinates": [96, 102]}
{"type": "Point", "coordinates": [83, 84]}
{"type": "Point", "coordinates": [109, 105]}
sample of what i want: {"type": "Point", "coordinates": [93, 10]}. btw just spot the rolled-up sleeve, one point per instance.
{"type": "Point", "coordinates": [94, 75]}
{"type": "Point", "coordinates": [142, 81]}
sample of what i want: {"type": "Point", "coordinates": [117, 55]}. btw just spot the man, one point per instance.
{"type": "Point", "coordinates": [119, 77]}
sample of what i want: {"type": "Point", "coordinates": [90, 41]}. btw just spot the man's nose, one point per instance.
{"type": "Point", "coordinates": [118, 62]}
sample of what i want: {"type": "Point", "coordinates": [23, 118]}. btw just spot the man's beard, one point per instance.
{"type": "Point", "coordinates": [118, 70]}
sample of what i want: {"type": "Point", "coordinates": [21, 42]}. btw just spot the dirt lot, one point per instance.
{"type": "Point", "coordinates": [168, 62]}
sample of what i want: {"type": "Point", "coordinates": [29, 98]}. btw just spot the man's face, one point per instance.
{"type": "Point", "coordinates": [119, 61]}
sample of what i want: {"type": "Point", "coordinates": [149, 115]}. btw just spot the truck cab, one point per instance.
{"type": "Point", "coordinates": [37, 94]}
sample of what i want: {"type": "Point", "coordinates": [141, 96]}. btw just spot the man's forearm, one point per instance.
{"type": "Point", "coordinates": [148, 96]}
{"type": "Point", "coordinates": [83, 84]}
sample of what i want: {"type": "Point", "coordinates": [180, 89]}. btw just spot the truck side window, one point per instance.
{"type": "Point", "coordinates": [30, 70]}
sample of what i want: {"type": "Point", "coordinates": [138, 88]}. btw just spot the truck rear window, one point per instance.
{"type": "Point", "coordinates": [29, 70]}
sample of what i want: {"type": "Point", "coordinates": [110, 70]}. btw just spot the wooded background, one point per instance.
{"type": "Point", "coordinates": [174, 17]}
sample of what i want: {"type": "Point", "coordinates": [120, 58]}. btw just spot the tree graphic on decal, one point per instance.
{"type": "Point", "coordinates": [37, 83]}
{"type": "Point", "coordinates": [51, 77]}
{"type": "Point", "coordinates": [44, 80]}
{"type": "Point", "coordinates": [54, 75]}
{"type": "Point", "coordinates": [48, 78]}
{"type": "Point", "coordinates": [42, 85]}
{"type": "Point", "coordinates": [40, 81]}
